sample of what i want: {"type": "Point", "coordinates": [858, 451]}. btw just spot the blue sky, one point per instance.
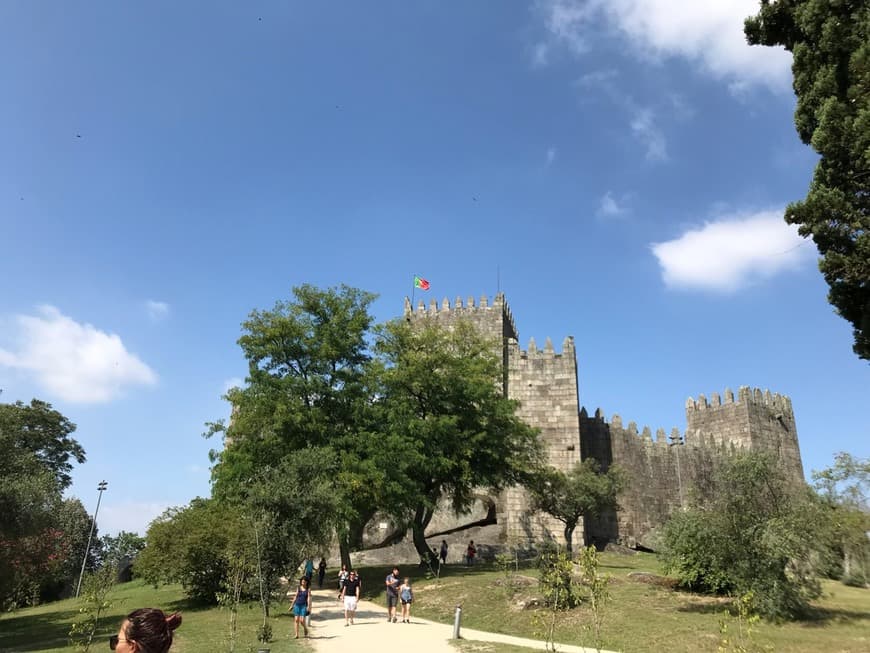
{"type": "Point", "coordinates": [619, 168]}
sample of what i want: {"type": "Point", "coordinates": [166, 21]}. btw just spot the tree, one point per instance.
{"type": "Point", "coordinates": [830, 42]}
{"type": "Point", "coordinates": [42, 432]}
{"type": "Point", "coordinates": [585, 491]}
{"type": "Point", "coordinates": [451, 429]}
{"type": "Point", "coordinates": [309, 386]}
{"type": "Point", "coordinates": [291, 510]}
{"type": "Point", "coordinates": [121, 548]}
{"type": "Point", "coordinates": [194, 545]}
{"type": "Point", "coordinates": [37, 528]}
{"type": "Point", "coordinates": [844, 487]}
{"type": "Point", "coordinates": [753, 530]}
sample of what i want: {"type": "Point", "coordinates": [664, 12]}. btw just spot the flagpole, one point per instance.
{"type": "Point", "coordinates": [413, 288]}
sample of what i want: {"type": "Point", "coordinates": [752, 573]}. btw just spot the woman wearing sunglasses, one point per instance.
{"type": "Point", "coordinates": [147, 630]}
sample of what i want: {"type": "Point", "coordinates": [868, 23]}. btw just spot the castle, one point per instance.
{"type": "Point", "coordinates": [662, 469]}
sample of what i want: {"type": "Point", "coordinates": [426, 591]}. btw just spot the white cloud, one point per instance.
{"type": "Point", "coordinates": [156, 310]}
{"type": "Point", "coordinates": [643, 126]}
{"type": "Point", "coordinates": [540, 55]}
{"type": "Point", "coordinates": [73, 361]}
{"type": "Point", "coordinates": [565, 21]}
{"type": "Point", "coordinates": [551, 156]}
{"type": "Point", "coordinates": [732, 252]}
{"type": "Point", "coordinates": [611, 207]}
{"type": "Point", "coordinates": [709, 33]}
{"type": "Point", "coordinates": [131, 516]}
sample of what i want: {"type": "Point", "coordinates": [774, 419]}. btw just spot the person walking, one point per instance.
{"type": "Point", "coordinates": [308, 569]}
{"type": "Point", "coordinates": [406, 594]}
{"type": "Point", "coordinates": [321, 572]}
{"type": "Point", "coordinates": [470, 552]}
{"type": "Point", "coordinates": [443, 552]}
{"type": "Point", "coordinates": [300, 606]}
{"type": "Point", "coordinates": [342, 579]}
{"type": "Point", "coordinates": [393, 582]}
{"type": "Point", "coordinates": [350, 593]}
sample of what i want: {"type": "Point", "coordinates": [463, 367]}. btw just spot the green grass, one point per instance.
{"type": "Point", "coordinates": [205, 629]}
{"type": "Point", "coordinates": [642, 617]}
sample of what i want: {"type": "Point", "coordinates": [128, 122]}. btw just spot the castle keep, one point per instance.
{"type": "Point", "coordinates": [662, 469]}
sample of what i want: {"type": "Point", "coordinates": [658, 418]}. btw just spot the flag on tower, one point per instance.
{"type": "Point", "coordinates": [421, 283]}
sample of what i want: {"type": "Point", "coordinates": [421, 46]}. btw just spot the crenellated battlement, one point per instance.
{"type": "Point", "coordinates": [643, 435]}
{"type": "Point", "coordinates": [745, 395]}
{"type": "Point", "coordinates": [479, 310]}
{"type": "Point", "coordinates": [548, 352]}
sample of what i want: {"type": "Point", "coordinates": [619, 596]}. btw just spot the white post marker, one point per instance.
{"type": "Point", "coordinates": [457, 617]}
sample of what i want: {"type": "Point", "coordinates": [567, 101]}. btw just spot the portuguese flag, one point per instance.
{"type": "Point", "coordinates": [421, 283]}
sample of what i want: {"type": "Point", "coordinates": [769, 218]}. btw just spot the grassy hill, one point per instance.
{"type": "Point", "coordinates": [646, 615]}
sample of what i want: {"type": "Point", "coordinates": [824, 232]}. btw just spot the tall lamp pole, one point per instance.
{"type": "Point", "coordinates": [677, 441]}
{"type": "Point", "coordinates": [102, 488]}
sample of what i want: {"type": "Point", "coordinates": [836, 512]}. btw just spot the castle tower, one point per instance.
{"type": "Point", "coordinates": [755, 420]}
{"type": "Point", "coordinates": [543, 382]}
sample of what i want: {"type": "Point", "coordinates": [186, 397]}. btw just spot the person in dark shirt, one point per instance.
{"type": "Point", "coordinates": [321, 572]}
{"type": "Point", "coordinates": [393, 582]}
{"type": "Point", "coordinates": [350, 593]}
{"type": "Point", "coordinates": [443, 552]}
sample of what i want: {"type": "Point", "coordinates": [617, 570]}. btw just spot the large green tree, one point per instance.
{"type": "Point", "coordinates": [310, 385]}
{"type": "Point", "coordinates": [830, 41]}
{"type": "Point", "coordinates": [584, 491]}
{"type": "Point", "coordinates": [37, 528]}
{"type": "Point", "coordinates": [751, 530]}
{"type": "Point", "coordinates": [452, 430]}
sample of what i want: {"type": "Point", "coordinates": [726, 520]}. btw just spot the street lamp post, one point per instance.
{"type": "Point", "coordinates": [102, 488]}
{"type": "Point", "coordinates": [677, 441]}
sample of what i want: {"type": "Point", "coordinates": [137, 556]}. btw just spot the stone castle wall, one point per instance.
{"type": "Point", "coordinates": [662, 470]}
{"type": "Point", "coordinates": [544, 383]}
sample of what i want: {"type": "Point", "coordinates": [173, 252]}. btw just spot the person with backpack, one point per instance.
{"type": "Point", "coordinates": [406, 594]}
{"type": "Point", "coordinates": [321, 572]}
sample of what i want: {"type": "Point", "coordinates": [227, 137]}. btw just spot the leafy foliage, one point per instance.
{"type": "Point", "coordinates": [308, 389]}
{"type": "Point", "coordinates": [830, 42]}
{"type": "Point", "coordinates": [559, 589]}
{"type": "Point", "coordinates": [596, 590]}
{"type": "Point", "coordinates": [754, 531]}
{"type": "Point", "coordinates": [40, 533]}
{"type": "Point", "coordinates": [584, 491]}
{"type": "Point", "coordinates": [450, 428]}
{"type": "Point", "coordinates": [844, 488]}
{"type": "Point", "coordinates": [124, 545]}
{"type": "Point", "coordinates": [94, 602]}
{"type": "Point", "coordinates": [193, 546]}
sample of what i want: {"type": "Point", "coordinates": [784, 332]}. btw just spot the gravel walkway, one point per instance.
{"type": "Point", "coordinates": [372, 632]}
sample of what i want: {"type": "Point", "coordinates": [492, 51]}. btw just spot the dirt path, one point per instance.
{"type": "Point", "coordinates": [371, 632]}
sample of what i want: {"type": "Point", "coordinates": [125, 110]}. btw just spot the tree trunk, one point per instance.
{"type": "Point", "coordinates": [422, 517]}
{"type": "Point", "coordinates": [344, 551]}
{"type": "Point", "coordinates": [569, 536]}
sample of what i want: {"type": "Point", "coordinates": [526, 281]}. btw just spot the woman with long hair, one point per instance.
{"type": "Point", "coordinates": [147, 630]}
{"type": "Point", "coordinates": [301, 606]}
